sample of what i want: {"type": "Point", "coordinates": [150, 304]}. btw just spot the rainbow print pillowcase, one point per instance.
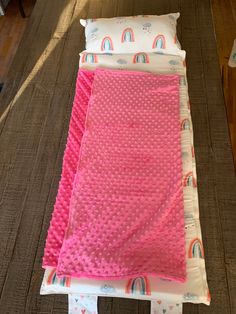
{"type": "Point", "coordinates": [132, 34]}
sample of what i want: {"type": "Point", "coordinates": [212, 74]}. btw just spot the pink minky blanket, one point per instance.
{"type": "Point", "coordinates": [125, 198]}
{"type": "Point", "coordinates": [59, 220]}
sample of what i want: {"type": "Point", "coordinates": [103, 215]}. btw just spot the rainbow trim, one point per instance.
{"type": "Point", "coordinates": [107, 44]}
{"type": "Point", "coordinates": [208, 296]}
{"type": "Point", "coordinates": [159, 42]}
{"type": "Point", "coordinates": [138, 285]}
{"type": "Point", "coordinates": [53, 280]}
{"type": "Point", "coordinates": [189, 180]}
{"type": "Point", "coordinates": [89, 58]}
{"type": "Point", "coordinates": [196, 249]}
{"type": "Point", "coordinates": [185, 124]}
{"type": "Point", "coordinates": [175, 39]}
{"type": "Point", "coordinates": [127, 35]}
{"type": "Point", "coordinates": [141, 57]}
{"type": "Point", "coordinates": [193, 152]}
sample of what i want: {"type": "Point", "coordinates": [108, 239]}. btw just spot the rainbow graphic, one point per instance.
{"type": "Point", "coordinates": [192, 150]}
{"type": "Point", "coordinates": [138, 285]}
{"type": "Point", "coordinates": [89, 58]}
{"type": "Point", "coordinates": [107, 44]}
{"type": "Point", "coordinates": [196, 249]}
{"type": "Point", "coordinates": [127, 35]}
{"type": "Point", "coordinates": [185, 124]}
{"type": "Point", "coordinates": [208, 296]}
{"type": "Point", "coordinates": [189, 180]}
{"type": "Point", "coordinates": [141, 57]}
{"type": "Point", "coordinates": [175, 39]}
{"type": "Point", "coordinates": [159, 42]}
{"type": "Point", "coordinates": [53, 280]}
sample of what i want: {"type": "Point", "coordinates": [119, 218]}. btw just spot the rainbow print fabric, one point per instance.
{"type": "Point", "coordinates": [138, 284]}
{"type": "Point", "coordinates": [132, 34]}
{"type": "Point", "coordinates": [107, 44]}
{"type": "Point", "coordinates": [80, 304]}
{"type": "Point", "coordinates": [127, 35]}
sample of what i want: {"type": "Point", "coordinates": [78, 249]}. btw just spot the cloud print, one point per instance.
{"type": "Point", "coordinates": [147, 25]}
{"type": "Point", "coordinates": [107, 289]}
{"type": "Point", "coordinates": [94, 30]}
{"type": "Point", "coordinates": [173, 62]}
{"type": "Point", "coordinates": [121, 61]}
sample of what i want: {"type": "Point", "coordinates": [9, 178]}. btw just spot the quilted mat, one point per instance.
{"type": "Point", "coordinates": [124, 198]}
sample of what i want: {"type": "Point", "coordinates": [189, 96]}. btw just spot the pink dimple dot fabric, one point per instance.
{"type": "Point", "coordinates": [60, 215]}
{"type": "Point", "coordinates": [126, 210]}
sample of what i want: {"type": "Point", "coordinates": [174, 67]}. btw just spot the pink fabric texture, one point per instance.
{"type": "Point", "coordinates": [126, 212]}
{"type": "Point", "coordinates": [126, 202]}
{"type": "Point", "coordinates": [60, 215]}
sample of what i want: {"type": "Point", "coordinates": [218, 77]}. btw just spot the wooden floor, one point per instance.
{"type": "Point", "coordinates": [34, 115]}
{"type": "Point", "coordinates": [224, 14]}
{"type": "Point", "coordinates": [12, 27]}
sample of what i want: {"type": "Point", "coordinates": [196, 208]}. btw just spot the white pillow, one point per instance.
{"type": "Point", "coordinates": [132, 34]}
